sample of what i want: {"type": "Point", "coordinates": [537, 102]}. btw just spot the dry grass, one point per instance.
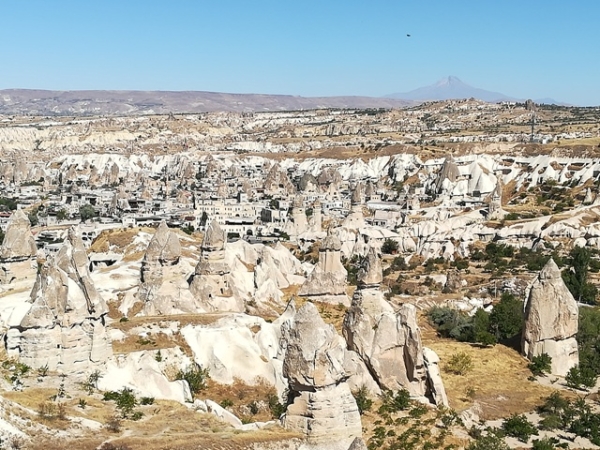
{"type": "Point", "coordinates": [154, 342]}
{"type": "Point", "coordinates": [183, 319]}
{"type": "Point", "coordinates": [239, 397]}
{"type": "Point", "coordinates": [120, 238]}
{"type": "Point", "coordinates": [499, 379]}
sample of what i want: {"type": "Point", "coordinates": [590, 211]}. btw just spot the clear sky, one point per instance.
{"type": "Point", "coordinates": [522, 48]}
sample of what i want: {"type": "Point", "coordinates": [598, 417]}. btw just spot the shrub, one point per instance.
{"type": "Point", "coordinates": [459, 364]}
{"type": "Point", "coordinates": [540, 364]}
{"type": "Point", "coordinates": [147, 401]}
{"type": "Point", "coordinates": [547, 443]}
{"type": "Point", "coordinates": [490, 441]}
{"type": "Point", "coordinates": [450, 322]}
{"type": "Point", "coordinates": [126, 401]}
{"type": "Point", "coordinates": [581, 378]}
{"type": "Point", "coordinates": [394, 402]}
{"type": "Point", "coordinates": [389, 246]}
{"type": "Point", "coordinates": [361, 395]}
{"type": "Point", "coordinates": [196, 378]}
{"type": "Point", "coordinates": [519, 427]}
{"type": "Point", "coordinates": [275, 406]}
{"type": "Point", "coordinates": [226, 403]}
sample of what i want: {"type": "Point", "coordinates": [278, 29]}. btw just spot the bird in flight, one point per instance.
{"type": "Point", "coordinates": [408, 35]}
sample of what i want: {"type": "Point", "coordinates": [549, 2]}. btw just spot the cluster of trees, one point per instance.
{"type": "Point", "coordinates": [503, 324]}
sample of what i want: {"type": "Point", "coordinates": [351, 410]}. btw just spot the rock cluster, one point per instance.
{"type": "Point", "coordinates": [551, 321]}
{"type": "Point", "coordinates": [65, 326]}
{"type": "Point", "coordinates": [389, 342]}
{"type": "Point", "coordinates": [327, 281]}
{"type": "Point", "coordinates": [323, 409]}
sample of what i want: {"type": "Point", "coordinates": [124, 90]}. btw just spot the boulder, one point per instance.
{"type": "Point", "coordinates": [551, 321]}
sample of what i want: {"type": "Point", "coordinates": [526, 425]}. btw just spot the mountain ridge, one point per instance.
{"type": "Point", "coordinates": [452, 88]}
{"type": "Point", "coordinates": [112, 102]}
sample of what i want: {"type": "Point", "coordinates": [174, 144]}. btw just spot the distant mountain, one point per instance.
{"type": "Point", "coordinates": [85, 103]}
{"type": "Point", "coordinates": [450, 88]}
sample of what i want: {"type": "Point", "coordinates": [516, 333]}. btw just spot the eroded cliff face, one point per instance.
{"type": "Point", "coordinates": [551, 321]}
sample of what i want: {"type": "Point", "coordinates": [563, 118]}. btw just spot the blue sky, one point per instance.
{"type": "Point", "coordinates": [522, 48]}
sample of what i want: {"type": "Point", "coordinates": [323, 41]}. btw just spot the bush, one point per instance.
{"type": "Point", "coordinates": [394, 402]}
{"type": "Point", "coordinates": [275, 406]}
{"type": "Point", "coordinates": [147, 401]}
{"type": "Point", "coordinates": [547, 443]}
{"type": "Point", "coordinates": [540, 364]}
{"type": "Point", "coordinates": [361, 395]}
{"type": "Point", "coordinates": [519, 427]}
{"type": "Point", "coordinates": [450, 322]}
{"type": "Point", "coordinates": [490, 441]}
{"type": "Point", "coordinates": [459, 364]}
{"type": "Point", "coordinates": [113, 424]}
{"type": "Point", "coordinates": [389, 246]}
{"type": "Point", "coordinates": [196, 378]}
{"type": "Point", "coordinates": [581, 378]}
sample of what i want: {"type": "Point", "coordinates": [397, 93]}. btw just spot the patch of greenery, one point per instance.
{"type": "Point", "coordinates": [540, 364]}
{"type": "Point", "coordinates": [519, 427]}
{"type": "Point", "coordinates": [196, 378]}
{"type": "Point", "coordinates": [363, 400]}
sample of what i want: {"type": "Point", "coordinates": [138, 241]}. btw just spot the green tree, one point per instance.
{"type": "Point", "coordinates": [61, 214]}
{"type": "Point", "coordinates": [506, 319]}
{"type": "Point", "coordinates": [581, 378]}
{"type": "Point", "coordinates": [519, 427]}
{"type": "Point", "coordinates": [389, 246]}
{"type": "Point", "coordinates": [87, 212]}
{"type": "Point", "coordinates": [576, 276]}
{"type": "Point", "coordinates": [540, 364]}
{"type": "Point", "coordinates": [203, 219]}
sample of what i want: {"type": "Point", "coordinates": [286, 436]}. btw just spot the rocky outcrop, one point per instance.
{"type": "Point", "coordinates": [163, 250]}
{"type": "Point", "coordinates": [65, 326]}
{"type": "Point", "coordinates": [211, 282]}
{"type": "Point", "coordinates": [163, 288]}
{"type": "Point", "coordinates": [551, 321]}
{"type": "Point", "coordinates": [323, 409]}
{"type": "Point", "coordinates": [388, 342]}
{"type": "Point", "coordinates": [327, 281]}
{"type": "Point", "coordinates": [18, 241]}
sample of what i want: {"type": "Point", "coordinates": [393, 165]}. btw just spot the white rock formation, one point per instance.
{"type": "Point", "coordinates": [551, 321]}
{"type": "Point", "coordinates": [141, 372]}
{"type": "Point", "coordinates": [65, 325]}
{"type": "Point", "coordinates": [388, 342]}
{"type": "Point", "coordinates": [240, 346]}
{"type": "Point", "coordinates": [211, 283]}
{"type": "Point", "coordinates": [18, 241]}
{"type": "Point", "coordinates": [324, 409]}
